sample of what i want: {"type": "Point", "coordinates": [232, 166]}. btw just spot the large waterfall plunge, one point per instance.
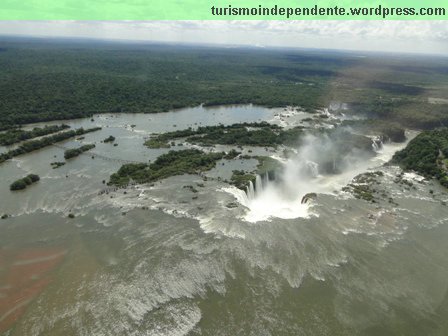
{"type": "Point", "coordinates": [318, 167]}
{"type": "Point", "coordinates": [280, 196]}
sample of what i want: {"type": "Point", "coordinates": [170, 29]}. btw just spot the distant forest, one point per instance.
{"type": "Point", "coordinates": [45, 79]}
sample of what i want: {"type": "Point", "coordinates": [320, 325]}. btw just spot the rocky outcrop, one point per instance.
{"type": "Point", "coordinates": [308, 198]}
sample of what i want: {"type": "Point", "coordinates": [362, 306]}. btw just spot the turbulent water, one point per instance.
{"type": "Point", "coordinates": [162, 260]}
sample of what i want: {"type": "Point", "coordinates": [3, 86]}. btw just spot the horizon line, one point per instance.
{"type": "Point", "coordinates": [118, 40]}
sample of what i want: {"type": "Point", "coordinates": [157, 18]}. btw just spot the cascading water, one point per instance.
{"type": "Point", "coordinates": [279, 197]}
{"type": "Point", "coordinates": [250, 191]}
{"type": "Point", "coordinates": [377, 143]}
{"type": "Point", "coordinates": [258, 184]}
{"type": "Point", "coordinates": [302, 174]}
{"type": "Point", "coordinates": [313, 168]}
{"type": "Point", "coordinates": [261, 183]}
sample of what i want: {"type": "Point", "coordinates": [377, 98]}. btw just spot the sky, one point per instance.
{"type": "Point", "coordinates": [429, 37]}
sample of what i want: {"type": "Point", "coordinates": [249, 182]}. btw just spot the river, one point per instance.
{"type": "Point", "coordinates": [162, 260]}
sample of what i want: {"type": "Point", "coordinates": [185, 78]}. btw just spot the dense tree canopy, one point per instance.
{"type": "Point", "coordinates": [16, 135]}
{"type": "Point", "coordinates": [45, 80]}
{"type": "Point", "coordinates": [32, 145]}
{"type": "Point", "coordinates": [22, 183]}
{"type": "Point", "coordinates": [426, 154]}
{"type": "Point", "coordinates": [189, 161]}
{"type": "Point", "coordinates": [71, 153]}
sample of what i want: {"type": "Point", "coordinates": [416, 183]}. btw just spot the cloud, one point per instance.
{"type": "Point", "coordinates": [413, 36]}
{"type": "Point", "coordinates": [379, 29]}
{"type": "Point", "coordinates": [425, 30]}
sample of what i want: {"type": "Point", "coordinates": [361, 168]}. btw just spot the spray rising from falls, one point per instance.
{"type": "Point", "coordinates": [322, 165]}
{"type": "Point", "coordinates": [279, 196]}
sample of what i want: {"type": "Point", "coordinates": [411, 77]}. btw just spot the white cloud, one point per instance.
{"type": "Point", "coordinates": [412, 36]}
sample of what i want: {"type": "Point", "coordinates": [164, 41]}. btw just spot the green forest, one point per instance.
{"type": "Point", "coordinates": [51, 79]}
{"type": "Point", "coordinates": [426, 154]}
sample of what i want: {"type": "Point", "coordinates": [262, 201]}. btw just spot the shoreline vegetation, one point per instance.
{"type": "Point", "coordinates": [33, 145]}
{"type": "Point", "coordinates": [386, 130]}
{"type": "Point", "coordinates": [426, 154]}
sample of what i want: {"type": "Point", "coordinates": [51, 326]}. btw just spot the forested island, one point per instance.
{"type": "Point", "coordinates": [13, 136]}
{"type": "Point", "coordinates": [71, 153]}
{"type": "Point", "coordinates": [22, 183]}
{"type": "Point", "coordinates": [32, 145]}
{"type": "Point", "coordinates": [110, 138]}
{"type": "Point", "coordinates": [260, 134]}
{"type": "Point", "coordinates": [252, 134]}
{"type": "Point", "coordinates": [189, 161]}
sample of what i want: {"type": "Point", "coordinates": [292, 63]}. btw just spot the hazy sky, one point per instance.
{"type": "Point", "coordinates": [407, 36]}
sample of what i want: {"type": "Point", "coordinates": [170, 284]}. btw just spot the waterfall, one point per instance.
{"type": "Point", "coordinates": [312, 168]}
{"type": "Point", "coordinates": [307, 169]}
{"type": "Point", "coordinates": [261, 183]}
{"type": "Point", "coordinates": [377, 144]}
{"type": "Point", "coordinates": [318, 167]}
{"type": "Point", "coordinates": [301, 170]}
{"type": "Point", "coordinates": [258, 184]}
{"type": "Point", "coordinates": [250, 190]}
